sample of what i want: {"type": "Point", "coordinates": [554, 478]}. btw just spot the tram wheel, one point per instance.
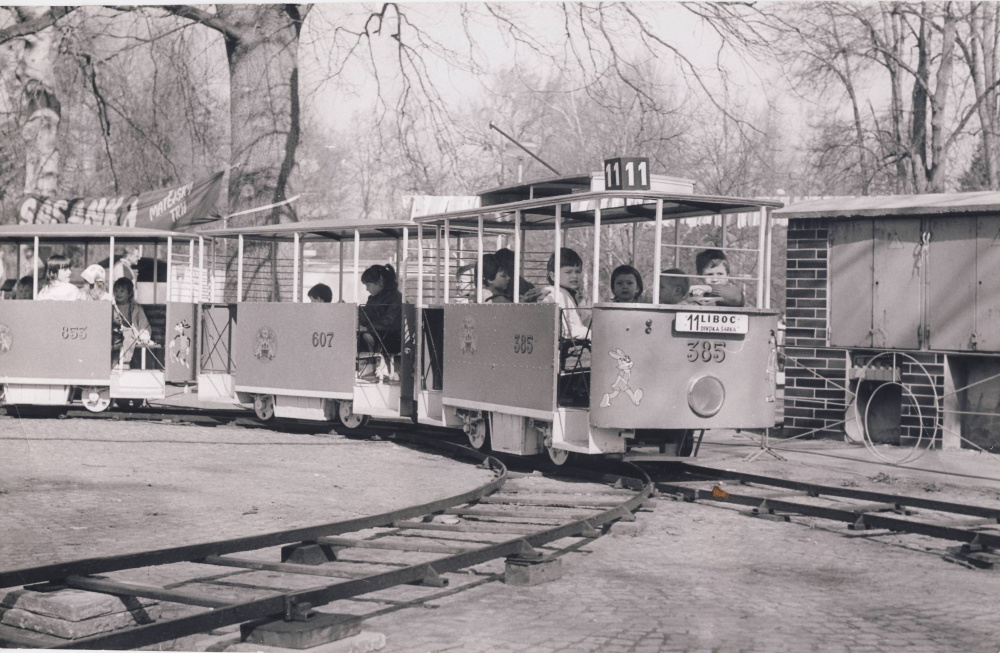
{"type": "Point", "coordinates": [479, 435]}
{"type": "Point", "coordinates": [558, 457]}
{"type": "Point", "coordinates": [96, 399]}
{"type": "Point", "coordinates": [348, 418]}
{"type": "Point", "coordinates": [263, 406]}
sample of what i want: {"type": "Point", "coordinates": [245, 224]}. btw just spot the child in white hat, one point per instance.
{"type": "Point", "coordinates": [96, 289]}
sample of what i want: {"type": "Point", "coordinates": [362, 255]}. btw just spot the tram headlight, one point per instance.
{"type": "Point", "coordinates": [706, 394]}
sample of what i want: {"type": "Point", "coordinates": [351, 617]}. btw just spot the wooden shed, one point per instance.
{"type": "Point", "coordinates": [912, 275]}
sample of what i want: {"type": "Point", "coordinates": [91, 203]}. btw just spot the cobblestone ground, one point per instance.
{"type": "Point", "coordinates": [696, 578]}
{"type": "Point", "coordinates": [709, 579]}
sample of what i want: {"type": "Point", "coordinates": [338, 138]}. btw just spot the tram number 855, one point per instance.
{"type": "Point", "coordinates": [706, 351]}
{"type": "Point", "coordinates": [322, 338]}
{"type": "Point", "coordinates": [74, 333]}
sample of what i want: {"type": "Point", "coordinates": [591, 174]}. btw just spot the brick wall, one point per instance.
{"type": "Point", "coordinates": [816, 376]}
{"type": "Point", "coordinates": [813, 399]}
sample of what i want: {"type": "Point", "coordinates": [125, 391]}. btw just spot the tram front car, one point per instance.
{"type": "Point", "coordinates": [647, 374]}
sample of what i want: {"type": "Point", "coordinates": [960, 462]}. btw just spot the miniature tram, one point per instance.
{"type": "Point", "coordinates": [509, 375]}
{"type": "Point", "coordinates": [54, 351]}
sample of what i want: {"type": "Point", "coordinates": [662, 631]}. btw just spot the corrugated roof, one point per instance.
{"type": "Point", "coordinates": [895, 206]}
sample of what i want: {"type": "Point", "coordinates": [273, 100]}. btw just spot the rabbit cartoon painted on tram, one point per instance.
{"type": "Point", "coordinates": [621, 384]}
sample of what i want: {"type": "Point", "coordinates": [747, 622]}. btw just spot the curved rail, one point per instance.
{"type": "Point", "coordinates": [869, 512]}
{"type": "Point", "coordinates": [480, 505]}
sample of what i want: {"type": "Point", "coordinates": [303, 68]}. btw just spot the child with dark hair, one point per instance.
{"type": "Point", "coordinates": [25, 287]}
{"type": "Point", "coordinates": [128, 323]}
{"type": "Point", "coordinates": [506, 258]}
{"type": "Point", "coordinates": [626, 284]}
{"type": "Point", "coordinates": [382, 314]}
{"type": "Point", "coordinates": [673, 289]}
{"type": "Point", "coordinates": [713, 265]}
{"type": "Point", "coordinates": [320, 293]}
{"type": "Point", "coordinates": [566, 296]}
{"type": "Point", "coordinates": [57, 275]}
{"type": "Point", "coordinates": [495, 281]}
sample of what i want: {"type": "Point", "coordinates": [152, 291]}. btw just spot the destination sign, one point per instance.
{"type": "Point", "coordinates": [712, 323]}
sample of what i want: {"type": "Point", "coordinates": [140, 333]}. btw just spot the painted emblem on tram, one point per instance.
{"type": "Point", "coordinates": [469, 335]}
{"type": "Point", "coordinates": [6, 339]}
{"type": "Point", "coordinates": [621, 383]}
{"type": "Point", "coordinates": [266, 344]}
{"type": "Point", "coordinates": [180, 345]}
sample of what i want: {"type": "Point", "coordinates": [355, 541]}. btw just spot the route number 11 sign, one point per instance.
{"type": "Point", "coordinates": [626, 174]}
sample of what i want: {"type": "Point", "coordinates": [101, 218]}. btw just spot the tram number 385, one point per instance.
{"type": "Point", "coordinates": [706, 351]}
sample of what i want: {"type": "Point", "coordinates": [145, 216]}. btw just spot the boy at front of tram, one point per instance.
{"type": "Point", "coordinates": [495, 281]}
{"type": "Point", "coordinates": [574, 325]}
{"type": "Point", "coordinates": [382, 314]}
{"type": "Point", "coordinates": [717, 290]}
{"type": "Point", "coordinates": [129, 325]}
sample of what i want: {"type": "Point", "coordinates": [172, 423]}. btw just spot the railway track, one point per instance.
{"type": "Point", "coordinates": [260, 582]}
{"type": "Point", "coordinates": [866, 513]}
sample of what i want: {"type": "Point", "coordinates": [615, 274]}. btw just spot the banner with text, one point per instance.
{"type": "Point", "coordinates": [166, 208]}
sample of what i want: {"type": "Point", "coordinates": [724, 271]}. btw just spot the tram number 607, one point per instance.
{"type": "Point", "coordinates": [706, 351]}
{"type": "Point", "coordinates": [322, 338]}
{"type": "Point", "coordinates": [524, 344]}
{"type": "Point", "coordinates": [74, 333]}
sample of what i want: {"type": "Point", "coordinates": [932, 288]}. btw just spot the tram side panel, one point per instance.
{"type": "Point", "coordinates": [304, 350]}
{"type": "Point", "coordinates": [647, 373]}
{"type": "Point", "coordinates": [45, 347]}
{"type": "Point", "coordinates": [501, 358]}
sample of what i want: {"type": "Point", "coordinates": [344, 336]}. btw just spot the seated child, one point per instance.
{"type": "Point", "coordinates": [673, 289]}
{"type": "Point", "coordinates": [626, 284]}
{"type": "Point", "coordinates": [129, 325]}
{"type": "Point", "coordinates": [320, 293]}
{"type": "Point", "coordinates": [57, 286]}
{"type": "Point", "coordinates": [506, 258]}
{"type": "Point", "coordinates": [495, 281]}
{"type": "Point", "coordinates": [570, 279]}
{"type": "Point", "coordinates": [25, 287]}
{"type": "Point", "coordinates": [717, 290]}
{"type": "Point", "coordinates": [381, 317]}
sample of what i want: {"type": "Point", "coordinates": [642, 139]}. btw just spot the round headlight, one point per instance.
{"type": "Point", "coordinates": [706, 395]}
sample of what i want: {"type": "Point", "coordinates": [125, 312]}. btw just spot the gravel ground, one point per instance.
{"type": "Point", "coordinates": [73, 488]}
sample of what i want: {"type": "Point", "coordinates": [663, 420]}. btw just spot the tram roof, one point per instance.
{"type": "Point", "coordinates": [616, 207]}
{"type": "Point", "coordinates": [895, 206]}
{"type": "Point", "coordinates": [320, 230]}
{"type": "Point", "coordinates": [63, 231]}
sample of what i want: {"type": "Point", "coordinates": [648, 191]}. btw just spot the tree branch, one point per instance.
{"type": "Point", "coordinates": [34, 25]}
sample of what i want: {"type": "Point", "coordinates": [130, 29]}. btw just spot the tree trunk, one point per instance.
{"type": "Point", "coordinates": [264, 114]}
{"type": "Point", "coordinates": [918, 128]}
{"type": "Point", "coordinates": [939, 105]}
{"type": "Point", "coordinates": [41, 110]}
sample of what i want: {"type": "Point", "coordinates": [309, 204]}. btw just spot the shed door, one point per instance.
{"type": "Point", "coordinates": [851, 282]}
{"type": "Point", "coordinates": [896, 317]}
{"type": "Point", "coordinates": [951, 283]}
{"type": "Point", "coordinates": [988, 284]}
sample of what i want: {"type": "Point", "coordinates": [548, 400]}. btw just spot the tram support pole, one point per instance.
{"type": "Point", "coordinates": [170, 267]}
{"type": "Point", "coordinates": [447, 261]}
{"type": "Point", "coordinates": [201, 269]}
{"type": "Point", "coordinates": [239, 270]}
{"type": "Point", "coordinates": [479, 260]}
{"type": "Point", "coordinates": [517, 257]}
{"type": "Point", "coordinates": [340, 275]}
{"type": "Point", "coordinates": [191, 268]}
{"type": "Point", "coordinates": [764, 261]}
{"type": "Point", "coordinates": [404, 261]}
{"type": "Point", "coordinates": [557, 263]}
{"type": "Point", "coordinates": [111, 264]}
{"type": "Point", "coordinates": [658, 252]}
{"type": "Point", "coordinates": [357, 264]}
{"type": "Point", "coordinates": [595, 282]}
{"type": "Point", "coordinates": [295, 266]}
{"type": "Point", "coordinates": [420, 265]}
